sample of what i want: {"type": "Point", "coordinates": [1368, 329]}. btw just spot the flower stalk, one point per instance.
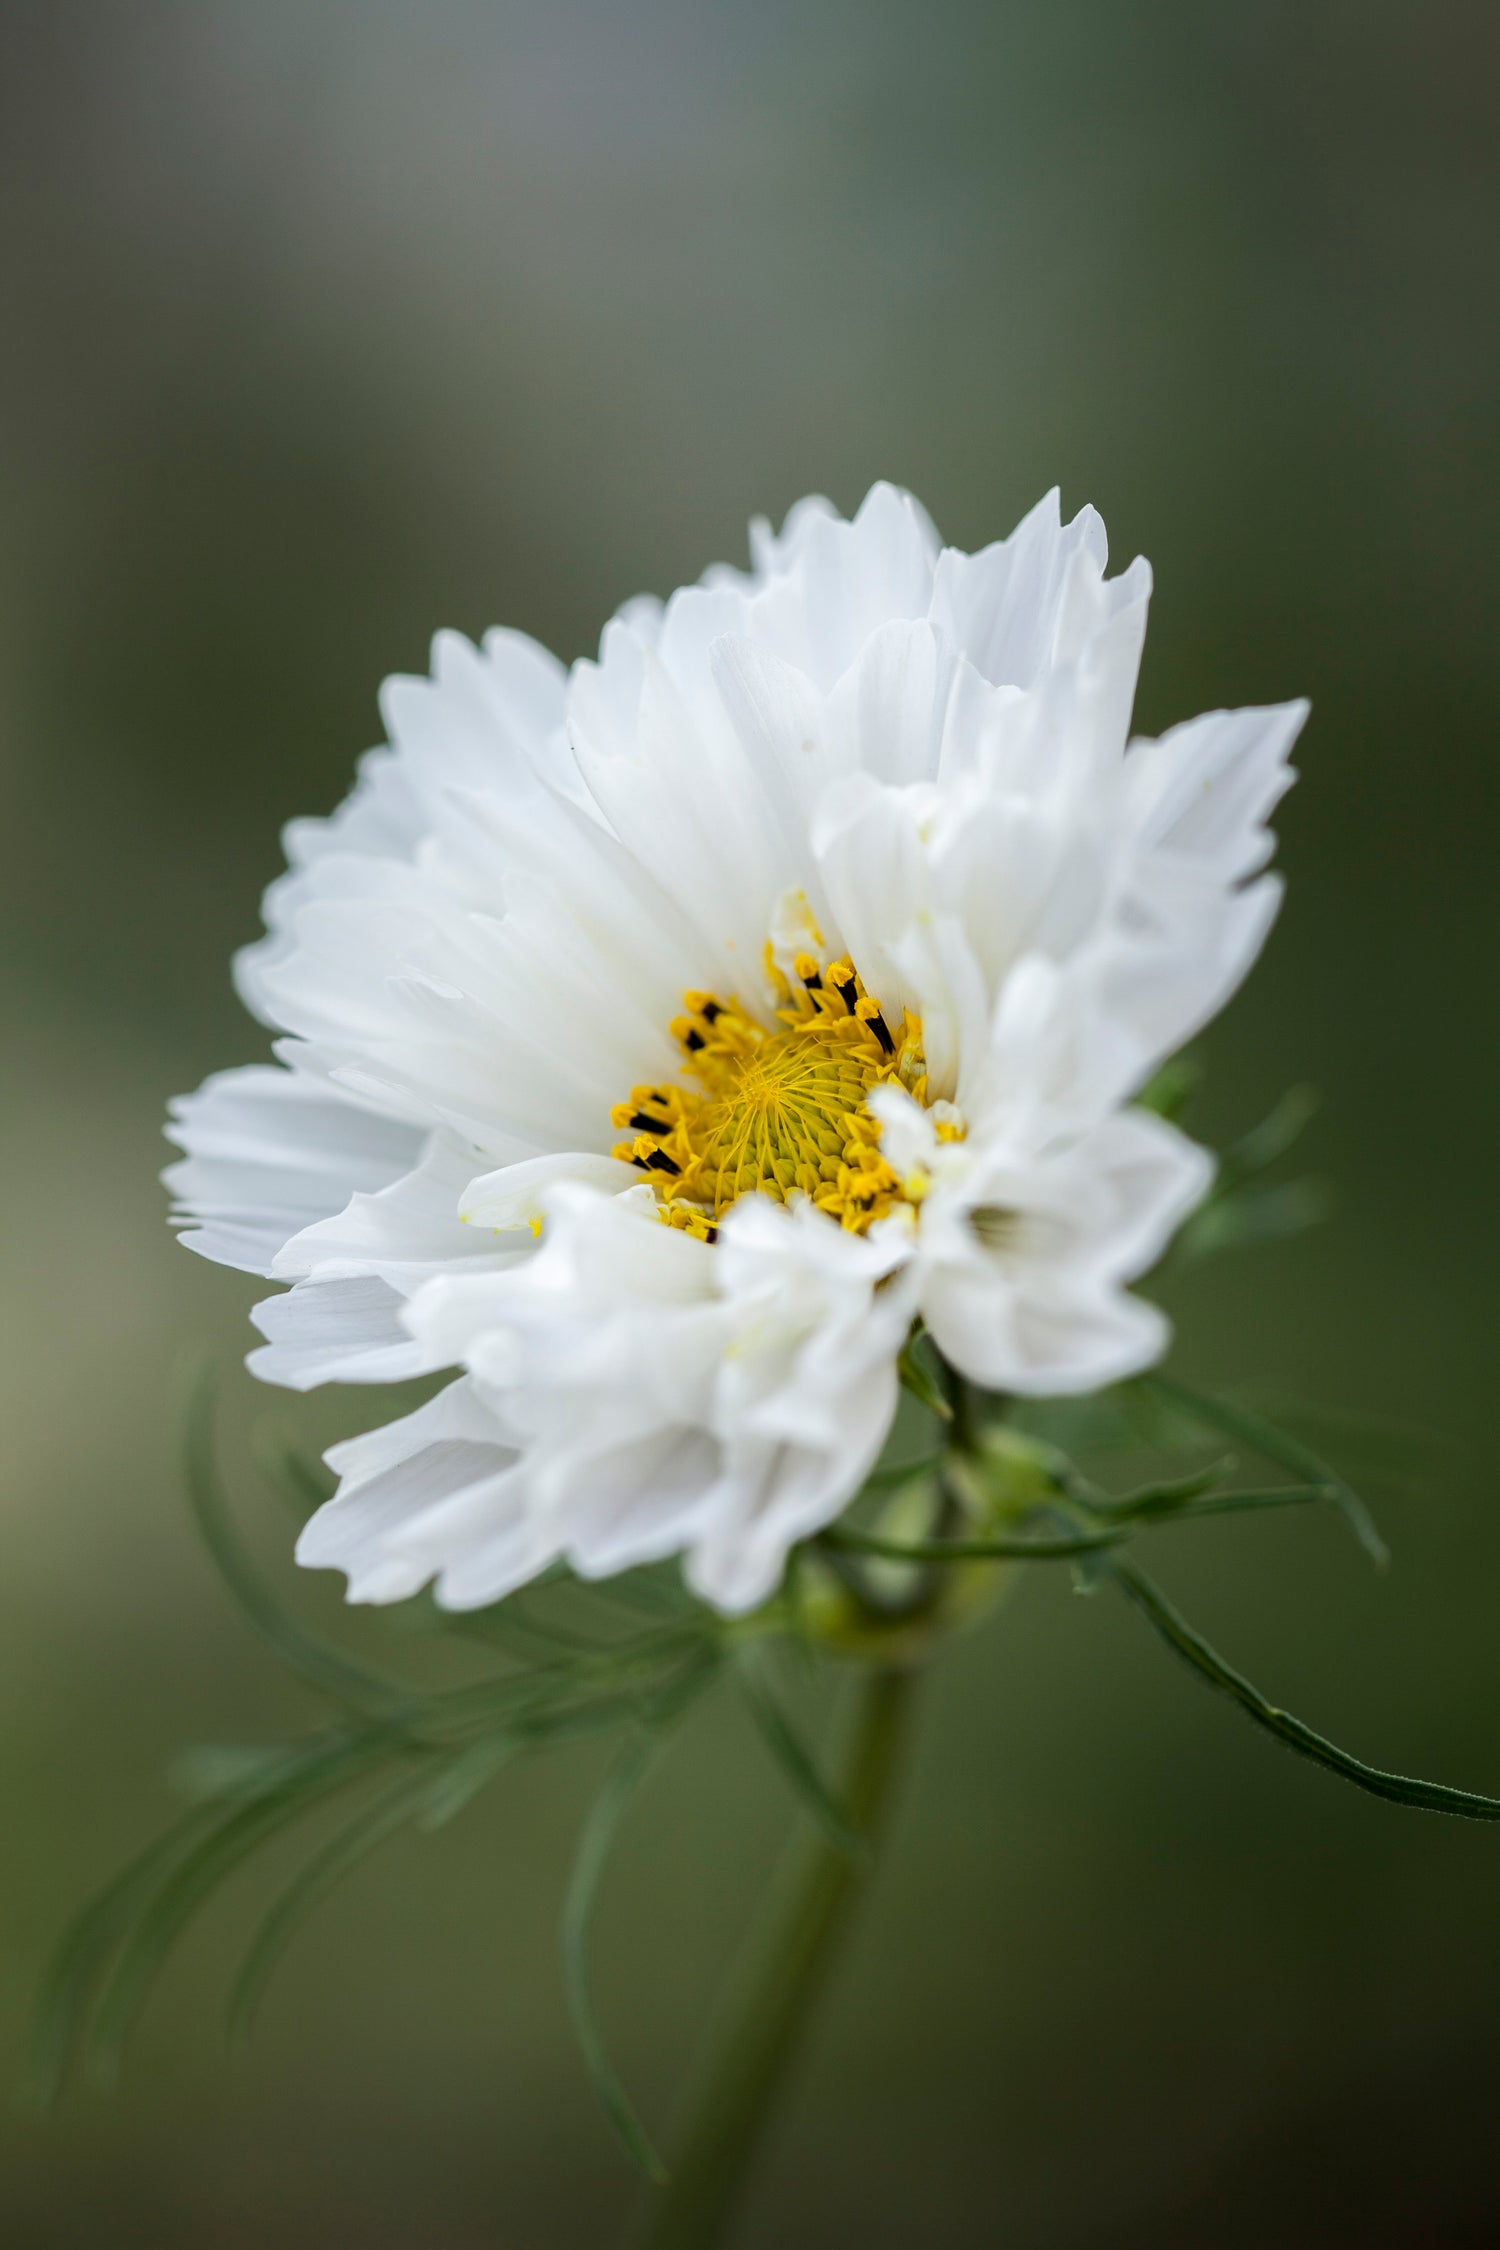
{"type": "Point", "coordinates": [768, 2015]}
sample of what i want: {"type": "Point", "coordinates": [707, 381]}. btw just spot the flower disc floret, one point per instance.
{"type": "Point", "coordinates": [777, 1113]}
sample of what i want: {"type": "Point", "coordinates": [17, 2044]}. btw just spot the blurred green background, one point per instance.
{"type": "Point", "coordinates": [326, 326]}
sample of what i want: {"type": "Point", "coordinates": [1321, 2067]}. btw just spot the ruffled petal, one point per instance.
{"type": "Point", "coordinates": [1023, 1256]}
{"type": "Point", "coordinates": [394, 1480]}
{"type": "Point", "coordinates": [268, 1153]}
{"type": "Point", "coordinates": [346, 1331]}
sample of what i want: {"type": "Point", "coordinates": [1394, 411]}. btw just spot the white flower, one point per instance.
{"type": "Point", "coordinates": [662, 1038]}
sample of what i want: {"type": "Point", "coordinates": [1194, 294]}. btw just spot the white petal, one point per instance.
{"type": "Point", "coordinates": [404, 1233]}
{"type": "Point", "coordinates": [268, 1153]}
{"type": "Point", "coordinates": [513, 1200]}
{"type": "Point", "coordinates": [670, 1398]}
{"type": "Point", "coordinates": [833, 584]}
{"type": "Point", "coordinates": [1023, 1260]}
{"type": "Point", "coordinates": [1203, 793]}
{"type": "Point", "coordinates": [395, 1478]}
{"type": "Point", "coordinates": [346, 1331]}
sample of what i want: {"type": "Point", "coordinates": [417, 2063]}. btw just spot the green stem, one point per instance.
{"type": "Point", "coordinates": [735, 2100]}
{"type": "Point", "coordinates": [967, 1405]}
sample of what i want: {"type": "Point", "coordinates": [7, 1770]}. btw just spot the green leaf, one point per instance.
{"type": "Point", "coordinates": [214, 1773]}
{"type": "Point", "coordinates": [1246, 1502]}
{"type": "Point", "coordinates": [1185, 1499]}
{"type": "Point", "coordinates": [1425, 1796]}
{"type": "Point", "coordinates": [460, 1782]}
{"type": "Point", "coordinates": [1261, 1147]}
{"type": "Point", "coordinates": [1042, 1549]}
{"type": "Point", "coordinates": [1408, 1456]}
{"type": "Point", "coordinates": [83, 1958]}
{"type": "Point", "coordinates": [1161, 1498]}
{"type": "Point", "coordinates": [330, 1764]}
{"type": "Point", "coordinates": [322, 1874]}
{"type": "Point", "coordinates": [1246, 1217]}
{"type": "Point", "coordinates": [1275, 1445]}
{"type": "Point", "coordinates": [650, 1593]}
{"type": "Point", "coordinates": [320, 1663]}
{"type": "Point", "coordinates": [663, 1701]}
{"type": "Point", "coordinates": [599, 1831]}
{"type": "Point", "coordinates": [897, 1473]}
{"type": "Point", "coordinates": [304, 1484]}
{"type": "Point", "coordinates": [796, 1760]}
{"type": "Point", "coordinates": [629, 1667]}
{"type": "Point", "coordinates": [510, 1626]}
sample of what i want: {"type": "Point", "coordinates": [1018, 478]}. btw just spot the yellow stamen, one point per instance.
{"type": "Point", "coordinates": [778, 1113]}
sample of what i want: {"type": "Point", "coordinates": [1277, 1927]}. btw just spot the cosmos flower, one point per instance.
{"type": "Point", "coordinates": [661, 1040]}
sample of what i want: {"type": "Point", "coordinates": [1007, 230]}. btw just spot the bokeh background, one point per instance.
{"type": "Point", "coordinates": [325, 326]}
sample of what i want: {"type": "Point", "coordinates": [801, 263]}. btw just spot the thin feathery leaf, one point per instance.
{"type": "Point", "coordinates": [649, 1593]}
{"type": "Point", "coordinates": [1424, 1796]}
{"type": "Point", "coordinates": [508, 1628]}
{"type": "Point", "coordinates": [1256, 1151]}
{"type": "Point", "coordinates": [322, 1874]}
{"type": "Point", "coordinates": [1407, 1455]}
{"type": "Point", "coordinates": [628, 1668]}
{"type": "Point", "coordinates": [796, 1760]}
{"type": "Point", "coordinates": [320, 1663]}
{"type": "Point", "coordinates": [1275, 1445]}
{"type": "Point", "coordinates": [460, 1781]}
{"type": "Point", "coordinates": [329, 1766]}
{"type": "Point", "coordinates": [1160, 1498]}
{"type": "Point", "coordinates": [662, 1702]}
{"type": "Point", "coordinates": [1185, 1499]}
{"type": "Point", "coordinates": [218, 1773]}
{"type": "Point", "coordinates": [901, 1472]}
{"type": "Point", "coordinates": [305, 1485]}
{"type": "Point", "coordinates": [1251, 1215]}
{"type": "Point", "coordinates": [1247, 1502]}
{"type": "Point", "coordinates": [599, 1831]}
{"type": "Point", "coordinates": [1060, 1548]}
{"type": "Point", "coordinates": [82, 1961]}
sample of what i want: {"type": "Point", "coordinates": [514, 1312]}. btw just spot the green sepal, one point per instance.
{"type": "Point", "coordinates": [920, 1377]}
{"type": "Point", "coordinates": [1170, 1090]}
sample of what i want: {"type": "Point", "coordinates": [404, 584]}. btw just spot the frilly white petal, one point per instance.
{"type": "Point", "coordinates": [395, 1480]}
{"type": "Point", "coordinates": [268, 1153]}
{"type": "Point", "coordinates": [513, 1200]}
{"type": "Point", "coordinates": [345, 1331]}
{"type": "Point", "coordinates": [646, 1398]}
{"type": "Point", "coordinates": [1022, 1257]}
{"type": "Point", "coordinates": [404, 1232]}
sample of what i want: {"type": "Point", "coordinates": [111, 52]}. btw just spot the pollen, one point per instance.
{"type": "Point", "coordinates": [781, 1113]}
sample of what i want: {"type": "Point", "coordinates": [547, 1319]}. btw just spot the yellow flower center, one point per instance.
{"type": "Point", "coordinates": [776, 1113]}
